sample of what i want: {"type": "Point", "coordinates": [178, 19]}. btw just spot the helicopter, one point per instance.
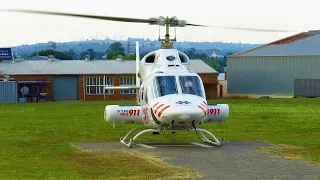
{"type": "Point", "coordinates": [170, 97]}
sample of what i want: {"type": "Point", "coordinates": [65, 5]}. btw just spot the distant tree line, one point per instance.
{"type": "Point", "coordinates": [111, 53]}
{"type": "Point", "coordinates": [116, 49]}
{"type": "Point", "coordinates": [216, 63]}
{"type": "Point", "coordinates": [56, 54]}
{"type": "Point", "coordinates": [146, 45]}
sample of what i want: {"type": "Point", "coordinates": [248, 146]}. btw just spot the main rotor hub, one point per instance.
{"type": "Point", "coordinates": [167, 43]}
{"type": "Point", "coordinates": [173, 21]}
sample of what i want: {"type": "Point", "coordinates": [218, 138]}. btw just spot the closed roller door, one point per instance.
{"type": "Point", "coordinates": [65, 88]}
{"type": "Point", "coordinates": [8, 91]}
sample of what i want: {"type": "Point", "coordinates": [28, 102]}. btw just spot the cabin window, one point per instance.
{"type": "Point", "coordinates": [150, 59]}
{"type": "Point", "coordinates": [141, 96]}
{"type": "Point", "coordinates": [191, 85]}
{"type": "Point", "coordinates": [183, 58]}
{"type": "Point", "coordinates": [146, 95]}
{"type": "Point", "coordinates": [165, 85]}
{"type": "Point", "coordinates": [128, 81]}
{"type": "Point", "coordinates": [96, 85]}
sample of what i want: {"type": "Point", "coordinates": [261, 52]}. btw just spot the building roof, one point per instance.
{"type": "Point", "coordinates": [40, 58]}
{"type": "Point", "coordinates": [301, 44]}
{"type": "Point", "coordinates": [39, 67]}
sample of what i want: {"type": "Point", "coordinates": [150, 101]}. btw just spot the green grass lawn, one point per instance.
{"type": "Point", "coordinates": [36, 138]}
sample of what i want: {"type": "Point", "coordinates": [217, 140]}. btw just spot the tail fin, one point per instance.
{"type": "Point", "coordinates": [137, 86]}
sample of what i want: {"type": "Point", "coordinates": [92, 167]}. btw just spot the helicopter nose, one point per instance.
{"type": "Point", "coordinates": [184, 117]}
{"type": "Point", "coordinates": [182, 114]}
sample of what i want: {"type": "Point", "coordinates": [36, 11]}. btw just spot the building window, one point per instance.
{"type": "Point", "coordinates": [128, 81]}
{"type": "Point", "coordinates": [95, 85]}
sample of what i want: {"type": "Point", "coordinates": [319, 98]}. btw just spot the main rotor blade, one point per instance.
{"type": "Point", "coordinates": [242, 29]}
{"type": "Point", "coordinates": [253, 29]}
{"type": "Point", "coordinates": [188, 24]}
{"type": "Point", "coordinates": [109, 18]}
{"type": "Point", "coordinates": [154, 21]}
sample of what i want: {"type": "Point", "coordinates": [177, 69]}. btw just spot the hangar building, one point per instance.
{"type": "Point", "coordinates": [85, 79]}
{"type": "Point", "coordinates": [272, 68]}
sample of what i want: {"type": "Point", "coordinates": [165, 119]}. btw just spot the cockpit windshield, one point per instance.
{"type": "Point", "coordinates": [191, 85]}
{"type": "Point", "coordinates": [165, 85]}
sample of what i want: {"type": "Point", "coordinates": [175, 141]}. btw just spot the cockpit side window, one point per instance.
{"type": "Point", "coordinates": [165, 85]}
{"type": "Point", "coordinates": [191, 85]}
{"type": "Point", "coordinates": [141, 94]}
{"type": "Point", "coordinates": [146, 95]}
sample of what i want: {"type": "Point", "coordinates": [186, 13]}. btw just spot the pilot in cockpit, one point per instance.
{"type": "Point", "coordinates": [167, 86]}
{"type": "Point", "coordinates": [188, 87]}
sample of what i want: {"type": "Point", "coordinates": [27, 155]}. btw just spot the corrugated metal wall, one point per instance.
{"type": "Point", "coordinates": [8, 92]}
{"type": "Point", "coordinates": [269, 75]}
{"type": "Point", "coordinates": [307, 87]}
{"type": "Point", "coordinates": [65, 88]}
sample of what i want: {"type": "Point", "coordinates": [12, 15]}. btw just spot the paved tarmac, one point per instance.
{"type": "Point", "coordinates": [234, 160]}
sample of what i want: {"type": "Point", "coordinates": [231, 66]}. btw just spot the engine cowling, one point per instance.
{"type": "Point", "coordinates": [217, 112]}
{"type": "Point", "coordinates": [123, 114]}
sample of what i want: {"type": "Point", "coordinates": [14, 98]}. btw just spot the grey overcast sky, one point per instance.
{"type": "Point", "coordinates": [18, 28]}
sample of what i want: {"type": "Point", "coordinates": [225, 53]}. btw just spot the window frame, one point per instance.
{"type": "Point", "coordinates": [127, 81]}
{"type": "Point", "coordinates": [97, 84]}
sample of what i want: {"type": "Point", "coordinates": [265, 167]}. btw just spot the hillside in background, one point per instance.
{"type": "Point", "coordinates": [217, 49]}
{"type": "Point", "coordinates": [212, 53]}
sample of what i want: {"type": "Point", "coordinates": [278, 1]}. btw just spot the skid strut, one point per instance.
{"type": "Point", "coordinates": [130, 143]}
{"type": "Point", "coordinates": [216, 142]}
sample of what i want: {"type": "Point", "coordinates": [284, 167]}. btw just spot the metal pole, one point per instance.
{"type": "Point", "coordinates": [104, 85]}
{"type": "Point", "coordinates": [84, 87]}
{"type": "Point", "coordinates": [167, 36]}
{"type": "Point", "coordinates": [167, 29]}
{"type": "Point", "coordinates": [137, 64]}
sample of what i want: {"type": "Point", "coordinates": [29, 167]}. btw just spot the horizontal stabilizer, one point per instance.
{"type": "Point", "coordinates": [124, 114]}
{"type": "Point", "coordinates": [217, 112]}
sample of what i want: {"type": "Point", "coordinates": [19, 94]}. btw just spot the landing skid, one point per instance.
{"type": "Point", "coordinates": [216, 142]}
{"type": "Point", "coordinates": [129, 144]}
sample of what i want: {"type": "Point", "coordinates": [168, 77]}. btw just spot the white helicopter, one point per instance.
{"type": "Point", "coordinates": [171, 97]}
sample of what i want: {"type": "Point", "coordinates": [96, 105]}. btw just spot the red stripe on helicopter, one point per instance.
{"type": "Point", "coordinates": [155, 112]}
{"type": "Point", "coordinates": [204, 111]}
{"type": "Point", "coordinates": [155, 104]}
{"type": "Point", "coordinates": [204, 106]}
{"type": "Point", "coordinates": [163, 109]}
